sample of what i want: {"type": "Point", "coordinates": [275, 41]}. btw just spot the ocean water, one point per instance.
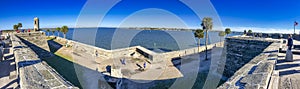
{"type": "Point", "coordinates": [156, 40]}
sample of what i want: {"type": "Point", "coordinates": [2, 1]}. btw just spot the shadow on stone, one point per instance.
{"type": "Point", "coordinates": [54, 46]}
{"type": "Point", "coordinates": [288, 72]}
{"type": "Point", "coordinates": [286, 66]}
{"type": "Point", "coordinates": [10, 83]}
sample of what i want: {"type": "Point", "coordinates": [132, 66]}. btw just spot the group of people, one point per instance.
{"type": "Point", "coordinates": [123, 62]}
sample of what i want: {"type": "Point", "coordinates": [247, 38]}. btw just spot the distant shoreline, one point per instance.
{"type": "Point", "coordinates": [133, 28]}
{"type": "Point", "coordinates": [154, 28]}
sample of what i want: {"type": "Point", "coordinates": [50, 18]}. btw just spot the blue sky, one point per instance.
{"type": "Point", "coordinates": [237, 14]}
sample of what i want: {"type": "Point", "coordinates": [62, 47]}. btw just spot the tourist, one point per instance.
{"type": "Point", "coordinates": [108, 69]}
{"type": "Point", "coordinates": [123, 61]}
{"type": "Point", "coordinates": [289, 54]}
{"type": "Point", "coordinates": [144, 64]}
{"type": "Point", "coordinates": [290, 42]}
{"type": "Point", "coordinates": [96, 53]}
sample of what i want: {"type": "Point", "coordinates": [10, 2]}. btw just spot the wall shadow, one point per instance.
{"type": "Point", "coordinates": [288, 72]}
{"type": "Point", "coordinates": [6, 68]}
{"type": "Point", "coordinates": [10, 83]}
{"type": "Point", "coordinates": [64, 67]}
{"type": "Point", "coordinates": [54, 46]}
{"type": "Point", "coordinates": [286, 66]}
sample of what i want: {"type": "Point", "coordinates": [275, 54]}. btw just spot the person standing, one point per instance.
{"type": "Point", "coordinates": [144, 65]}
{"type": "Point", "coordinates": [289, 53]}
{"type": "Point", "coordinates": [290, 42]}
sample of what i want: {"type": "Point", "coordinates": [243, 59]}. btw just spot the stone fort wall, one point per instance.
{"type": "Point", "coordinates": [250, 62]}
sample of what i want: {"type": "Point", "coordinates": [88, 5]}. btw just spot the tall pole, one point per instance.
{"type": "Point", "coordinates": [294, 29]}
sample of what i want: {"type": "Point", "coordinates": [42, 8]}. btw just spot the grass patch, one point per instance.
{"type": "Point", "coordinates": [50, 38]}
{"type": "Point", "coordinates": [65, 68]}
{"type": "Point", "coordinates": [137, 60]}
{"type": "Point", "coordinates": [67, 57]}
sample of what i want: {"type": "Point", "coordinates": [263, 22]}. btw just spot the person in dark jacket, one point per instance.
{"type": "Point", "coordinates": [289, 53]}
{"type": "Point", "coordinates": [290, 42]}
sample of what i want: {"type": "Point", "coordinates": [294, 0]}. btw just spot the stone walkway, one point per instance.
{"type": "Point", "coordinates": [287, 74]}
{"type": "Point", "coordinates": [8, 74]}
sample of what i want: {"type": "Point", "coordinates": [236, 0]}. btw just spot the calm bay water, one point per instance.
{"type": "Point", "coordinates": [156, 40]}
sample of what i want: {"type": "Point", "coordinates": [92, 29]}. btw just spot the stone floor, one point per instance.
{"type": "Point", "coordinates": [287, 74]}
{"type": "Point", "coordinates": [8, 74]}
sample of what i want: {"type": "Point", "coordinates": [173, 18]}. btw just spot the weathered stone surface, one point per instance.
{"type": "Point", "coordinates": [240, 51]}
{"type": "Point", "coordinates": [253, 79]}
{"type": "Point", "coordinates": [250, 62]}
{"type": "Point", "coordinates": [254, 86]}
{"type": "Point", "coordinates": [264, 68]}
{"type": "Point", "coordinates": [33, 72]}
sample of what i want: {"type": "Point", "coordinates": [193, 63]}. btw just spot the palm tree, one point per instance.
{"type": "Point", "coordinates": [227, 31]}
{"type": "Point", "coordinates": [199, 33]}
{"type": "Point", "coordinates": [222, 34]}
{"type": "Point", "coordinates": [64, 30]}
{"type": "Point", "coordinates": [207, 24]}
{"type": "Point", "coordinates": [48, 30]}
{"type": "Point", "coordinates": [249, 32]}
{"type": "Point", "coordinates": [16, 27]}
{"type": "Point", "coordinates": [58, 29]}
{"type": "Point", "coordinates": [20, 25]}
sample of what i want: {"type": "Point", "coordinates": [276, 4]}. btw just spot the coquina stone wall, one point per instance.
{"type": "Point", "coordinates": [82, 48]}
{"type": "Point", "coordinates": [274, 35]}
{"type": "Point", "coordinates": [34, 73]}
{"type": "Point", "coordinates": [240, 51]}
{"type": "Point", "coordinates": [250, 62]}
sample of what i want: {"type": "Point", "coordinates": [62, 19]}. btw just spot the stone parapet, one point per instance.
{"type": "Point", "coordinates": [247, 72]}
{"type": "Point", "coordinates": [33, 72]}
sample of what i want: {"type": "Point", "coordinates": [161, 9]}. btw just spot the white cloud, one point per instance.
{"type": "Point", "coordinates": [264, 30]}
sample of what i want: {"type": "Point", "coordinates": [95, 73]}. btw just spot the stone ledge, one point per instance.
{"type": "Point", "coordinates": [257, 72]}
{"type": "Point", "coordinates": [33, 72]}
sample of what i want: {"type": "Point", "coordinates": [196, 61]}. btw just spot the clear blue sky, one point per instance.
{"type": "Point", "coordinates": [278, 14]}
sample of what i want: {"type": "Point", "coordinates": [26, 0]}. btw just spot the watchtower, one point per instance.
{"type": "Point", "coordinates": [36, 24]}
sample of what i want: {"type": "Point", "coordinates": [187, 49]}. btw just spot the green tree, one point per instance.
{"type": "Point", "coordinates": [48, 30]}
{"type": "Point", "coordinates": [249, 31]}
{"type": "Point", "coordinates": [222, 34]}
{"type": "Point", "coordinates": [199, 33]}
{"type": "Point", "coordinates": [20, 25]}
{"type": "Point", "coordinates": [64, 30]}
{"type": "Point", "coordinates": [207, 25]}
{"type": "Point", "coordinates": [245, 32]}
{"type": "Point", "coordinates": [58, 29]}
{"type": "Point", "coordinates": [227, 31]}
{"type": "Point", "coordinates": [16, 27]}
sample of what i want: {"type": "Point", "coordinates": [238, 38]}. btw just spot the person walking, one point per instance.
{"type": "Point", "coordinates": [289, 53]}
{"type": "Point", "coordinates": [144, 65]}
